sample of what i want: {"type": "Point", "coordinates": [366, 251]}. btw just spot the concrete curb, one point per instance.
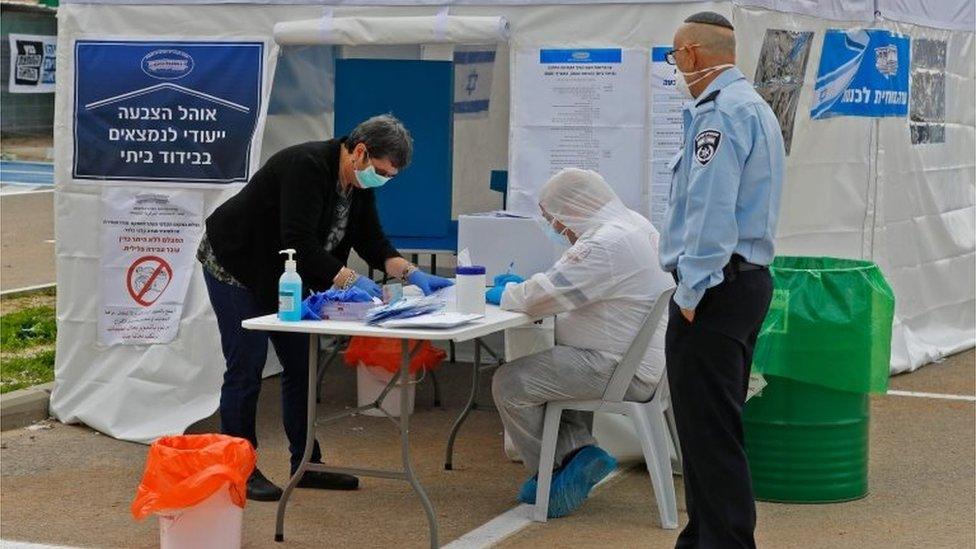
{"type": "Point", "coordinates": [18, 292]}
{"type": "Point", "coordinates": [25, 406]}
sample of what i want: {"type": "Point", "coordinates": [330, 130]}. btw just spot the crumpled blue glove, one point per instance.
{"type": "Point", "coordinates": [505, 278]}
{"type": "Point", "coordinates": [352, 295]}
{"type": "Point", "coordinates": [428, 283]}
{"type": "Point", "coordinates": [367, 285]}
{"type": "Point", "coordinates": [312, 305]}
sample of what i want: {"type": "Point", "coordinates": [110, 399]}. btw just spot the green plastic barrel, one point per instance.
{"type": "Point", "coordinates": [807, 443]}
{"type": "Point", "coordinates": [824, 346]}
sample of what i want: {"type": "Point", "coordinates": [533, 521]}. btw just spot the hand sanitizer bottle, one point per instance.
{"type": "Point", "coordinates": [290, 290]}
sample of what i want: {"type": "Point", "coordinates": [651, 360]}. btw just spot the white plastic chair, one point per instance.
{"type": "Point", "coordinates": [650, 422]}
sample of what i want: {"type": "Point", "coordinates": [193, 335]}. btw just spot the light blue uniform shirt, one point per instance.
{"type": "Point", "coordinates": [725, 186]}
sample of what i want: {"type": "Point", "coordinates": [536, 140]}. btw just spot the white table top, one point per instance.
{"type": "Point", "coordinates": [495, 320]}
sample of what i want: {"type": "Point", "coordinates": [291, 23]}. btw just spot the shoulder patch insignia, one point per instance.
{"type": "Point", "coordinates": [706, 143]}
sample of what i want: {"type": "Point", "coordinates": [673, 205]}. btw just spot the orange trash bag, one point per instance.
{"type": "Point", "coordinates": [181, 471]}
{"type": "Point", "coordinates": [384, 352]}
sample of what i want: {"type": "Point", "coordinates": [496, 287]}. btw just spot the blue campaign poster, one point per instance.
{"type": "Point", "coordinates": [863, 72]}
{"type": "Point", "coordinates": [179, 112]}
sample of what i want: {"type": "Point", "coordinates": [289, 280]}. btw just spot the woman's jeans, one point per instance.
{"type": "Point", "coordinates": [245, 352]}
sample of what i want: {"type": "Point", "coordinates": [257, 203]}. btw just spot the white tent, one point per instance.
{"type": "Point", "coordinates": [859, 187]}
{"type": "Point", "coordinates": [908, 209]}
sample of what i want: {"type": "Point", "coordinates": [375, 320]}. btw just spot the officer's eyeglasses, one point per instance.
{"type": "Point", "coordinates": [669, 57]}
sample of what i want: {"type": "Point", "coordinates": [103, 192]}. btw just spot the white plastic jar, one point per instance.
{"type": "Point", "coordinates": [470, 289]}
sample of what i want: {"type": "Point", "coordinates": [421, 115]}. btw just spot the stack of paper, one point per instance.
{"type": "Point", "coordinates": [407, 307]}
{"type": "Point", "coordinates": [440, 320]}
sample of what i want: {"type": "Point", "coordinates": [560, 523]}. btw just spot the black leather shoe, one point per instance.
{"type": "Point", "coordinates": [259, 488]}
{"type": "Point", "coordinates": [328, 481]}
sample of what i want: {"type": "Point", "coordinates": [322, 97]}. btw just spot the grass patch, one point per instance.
{"type": "Point", "coordinates": [24, 371]}
{"type": "Point", "coordinates": [27, 328]}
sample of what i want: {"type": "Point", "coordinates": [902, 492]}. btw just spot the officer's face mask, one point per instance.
{"type": "Point", "coordinates": [368, 178]}
{"type": "Point", "coordinates": [684, 86]}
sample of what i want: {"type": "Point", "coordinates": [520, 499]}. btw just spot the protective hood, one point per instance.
{"type": "Point", "coordinates": [582, 201]}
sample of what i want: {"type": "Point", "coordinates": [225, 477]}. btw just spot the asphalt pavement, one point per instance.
{"type": "Point", "coordinates": [68, 485]}
{"type": "Point", "coordinates": [26, 239]}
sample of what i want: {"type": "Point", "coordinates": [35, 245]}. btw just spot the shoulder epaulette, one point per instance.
{"type": "Point", "coordinates": [708, 98]}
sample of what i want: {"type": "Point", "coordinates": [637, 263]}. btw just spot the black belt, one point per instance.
{"type": "Point", "coordinates": [735, 266]}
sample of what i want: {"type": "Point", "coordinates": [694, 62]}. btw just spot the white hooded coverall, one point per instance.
{"type": "Point", "coordinates": [600, 290]}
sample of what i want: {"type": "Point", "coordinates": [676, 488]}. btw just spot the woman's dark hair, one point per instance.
{"type": "Point", "coordinates": [385, 137]}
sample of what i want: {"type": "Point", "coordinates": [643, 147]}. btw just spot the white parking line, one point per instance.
{"type": "Point", "coordinates": [495, 530]}
{"type": "Point", "coordinates": [967, 398]}
{"type": "Point", "coordinates": [505, 524]}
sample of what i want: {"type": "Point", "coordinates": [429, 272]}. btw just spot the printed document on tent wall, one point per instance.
{"type": "Point", "coordinates": [667, 131]}
{"type": "Point", "coordinates": [578, 108]}
{"type": "Point", "coordinates": [149, 239]}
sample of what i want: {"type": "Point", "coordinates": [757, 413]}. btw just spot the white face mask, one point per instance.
{"type": "Point", "coordinates": [684, 86]}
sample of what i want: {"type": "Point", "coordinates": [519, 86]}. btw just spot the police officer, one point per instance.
{"type": "Point", "coordinates": [717, 243]}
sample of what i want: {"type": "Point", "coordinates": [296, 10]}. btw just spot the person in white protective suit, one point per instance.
{"type": "Point", "coordinates": [601, 290]}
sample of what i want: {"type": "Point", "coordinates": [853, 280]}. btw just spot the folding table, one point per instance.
{"type": "Point", "coordinates": [495, 320]}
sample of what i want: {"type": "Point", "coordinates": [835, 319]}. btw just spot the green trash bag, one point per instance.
{"type": "Point", "coordinates": [829, 324]}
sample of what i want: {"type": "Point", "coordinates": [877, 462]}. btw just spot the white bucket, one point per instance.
{"type": "Point", "coordinates": [370, 382]}
{"type": "Point", "coordinates": [214, 523]}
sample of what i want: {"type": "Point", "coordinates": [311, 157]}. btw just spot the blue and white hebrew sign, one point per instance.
{"type": "Point", "coordinates": [179, 112]}
{"type": "Point", "coordinates": [863, 72]}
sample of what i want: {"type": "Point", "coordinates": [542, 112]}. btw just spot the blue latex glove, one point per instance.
{"type": "Point", "coordinates": [312, 304]}
{"type": "Point", "coordinates": [494, 295]}
{"type": "Point", "coordinates": [505, 278]}
{"type": "Point", "coordinates": [368, 286]}
{"type": "Point", "coordinates": [428, 283]}
{"type": "Point", "coordinates": [571, 485]}
{"type": "Point", "coordinates": [352, 295]}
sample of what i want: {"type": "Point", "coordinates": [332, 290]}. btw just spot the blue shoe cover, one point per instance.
{"type": "Point", "coordinates": [572, 484]}
{"type": "Point", "coordinates": [527, 492]}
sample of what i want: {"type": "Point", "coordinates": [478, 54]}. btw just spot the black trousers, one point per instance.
{"type": "Point", "coordinates": [708, 363]}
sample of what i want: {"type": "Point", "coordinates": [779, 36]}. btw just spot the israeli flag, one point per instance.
{"type": "Point", "coordinates": [473, 68]}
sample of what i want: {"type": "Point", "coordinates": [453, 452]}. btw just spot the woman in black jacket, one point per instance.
{"type": "Point", "coordinates": [316, 198]}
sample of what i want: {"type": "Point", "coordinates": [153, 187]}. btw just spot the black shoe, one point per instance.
{"type": "Point", "coordinates": [328, 481]}
{"type": "Point", "coordinates": [260, 488]}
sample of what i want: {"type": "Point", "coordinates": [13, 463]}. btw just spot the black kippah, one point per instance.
{"type": "Point", "coordinates": [709, 18]}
